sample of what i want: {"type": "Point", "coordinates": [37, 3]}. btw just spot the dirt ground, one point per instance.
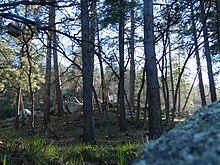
{"type": "Point", "coordinates": [68, 130]}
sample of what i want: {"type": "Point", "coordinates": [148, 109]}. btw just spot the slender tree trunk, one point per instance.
{"type": "Point", "coordinates": [208, 53]}
{"type": "Point", "coordinates": [96, 100]}
{"type": "Point", "coordinates": [179, 89]}
{"type": "Point", "coordinates": [105, 100]}
{"type": "Point", "coordinates": [132, 63]}
{"type": "Point", "coordinates": [167, 99]}
{"type": "Point", "coordinates": [218, 21]}
{"type": "Point", "coordinates": [165, 91]}
{"type": "Point", "coordinates": [93, 29]}
{"type": "Point", "coordinates": [59, 99]}
{"type": "Point", "coordinates": [92, 36]}
{"type": "Point", "coordinates": [22, 109]}
{"type": "Point", "coordinates": [155, 121]}
{"type": "Point", "coordinates": [139, 94]}
{"type": "Point", "coordinates": [165, 88]}
{"type": "Point", "coordinates": [122, 68]}
{"type": "Point", "coordinates": [47, 101]}
{"type": "Point", "coordinates": [188, 96]}
{"type": "Point", "coordinates": [89, 135]}
{"type": "Point", "coordinates": [199, 70]}
{"type": "Point", "coordinates": [171, 80]}
{"type": "Point", "coordinates": [104, 92]}
{"type": "Point", "coordinates": [30, 85]}
{"type": "Point", "coordinates": [17, 110]}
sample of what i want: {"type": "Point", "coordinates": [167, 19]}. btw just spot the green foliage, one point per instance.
{"type": "Point", "coordinates": [7, 103]}
{"type": "Point", "coordinates": [110, 12]}
{"type": "Point", "coordinates": [14, 74]}
{"type": "Point", "coordinates": [39, 151]}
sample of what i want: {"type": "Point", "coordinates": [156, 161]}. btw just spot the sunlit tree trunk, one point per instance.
{"type": "Point", "coordinates": [207, 52]}
{"type": "Point", "coordinates": [89, 135]}
{"type": "Point", "coordinates": [155, 121]}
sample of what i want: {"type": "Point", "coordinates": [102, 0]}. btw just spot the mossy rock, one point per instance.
{"type": "Point", "coordinates": [195, 141]}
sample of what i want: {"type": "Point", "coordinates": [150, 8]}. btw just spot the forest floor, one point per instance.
{"type": "Point", "coordinates": [68, 131]}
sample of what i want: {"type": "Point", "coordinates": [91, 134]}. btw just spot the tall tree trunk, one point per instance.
{"type": "Point", "coordinates": [179, 88]}
{"type": "Point", "coordinates": [104, 90]}
{"type": "Point", "coordinates": [139, 94]}
{"type": "Point", "coordinates": [93, 24]}
{"type": "Point", "coordinates": [122, 68]}
{"type": "Point", "coordinates": [59, 99]}
{"type": "Point", "coordinates": [218, 21]}
{"type": "Point", "coordinates": [30, 85]}
{"type": "Point", "coordinates": [171, 80]}
{"type": "Point", "coordinates": [47, 101]}
{"type": "Point", "coordinates": [17, 110]}
{"type": "Point", "coordinates": [207, 52]}
{"type": "Point", "coordinates": [165, 88]}
{"type": "Point", "coordinates": [132, 63]}
{"type": "Point", "coordinates": [89, 135]}
{"type": "Point", "coordinates": [199, 70]}
{"type": "Point", "coordinates": [105, 98]}
{"type": "Point", "coordinates": [155, 121]}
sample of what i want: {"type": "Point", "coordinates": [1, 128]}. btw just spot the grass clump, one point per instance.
{"type": "Point", "coordinates": [36, 150]}
{"type": "Point", "coordinates": [100, 154]}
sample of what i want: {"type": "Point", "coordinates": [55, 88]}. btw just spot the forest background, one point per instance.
{"type": "Point", "coordinates": [103, 56]}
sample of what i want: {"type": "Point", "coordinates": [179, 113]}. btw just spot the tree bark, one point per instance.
{"type": "Point", "coordinates": [89, 135]}
{"type": "Point", "coordinates": [48, 71]}
{"type": "Point", "coordinates": [218, 21]}
{"type": "Point", "coordinates": [163, 69]}
{"type": "Point", "coordinates": [208, 53]}
{"type": "Point", "coordinates": [155, 121]}
{"type": "Point", "coordinates": [30, 85]}
{"type": "Point", "coordinates": [105, 99]}
{"type": "Point", "coordinates": [59, 100]}
{"type": "Point", "coordinates": [139, 94]}
{"type": "Point", "coordinates": [171, 81]}
{"type": "Point", "coordinates": [122, 68]}
{"type": "Point", "coordinates": [199, 70]}
{"type": "Point", "coordinates": [132, 63]}
{"type": "Point", "coordinates": [17, 110]}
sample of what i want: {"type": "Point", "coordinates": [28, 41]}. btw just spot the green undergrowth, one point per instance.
{"type": "Point", "coordinates": [36, 150]}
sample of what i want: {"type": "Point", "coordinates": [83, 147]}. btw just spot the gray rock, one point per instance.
{"type": "Point", "coordinates": [194, 142]}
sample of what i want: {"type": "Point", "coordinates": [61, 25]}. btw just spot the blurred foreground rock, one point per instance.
{"type": "Point", "coordinates": [194, 142]}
